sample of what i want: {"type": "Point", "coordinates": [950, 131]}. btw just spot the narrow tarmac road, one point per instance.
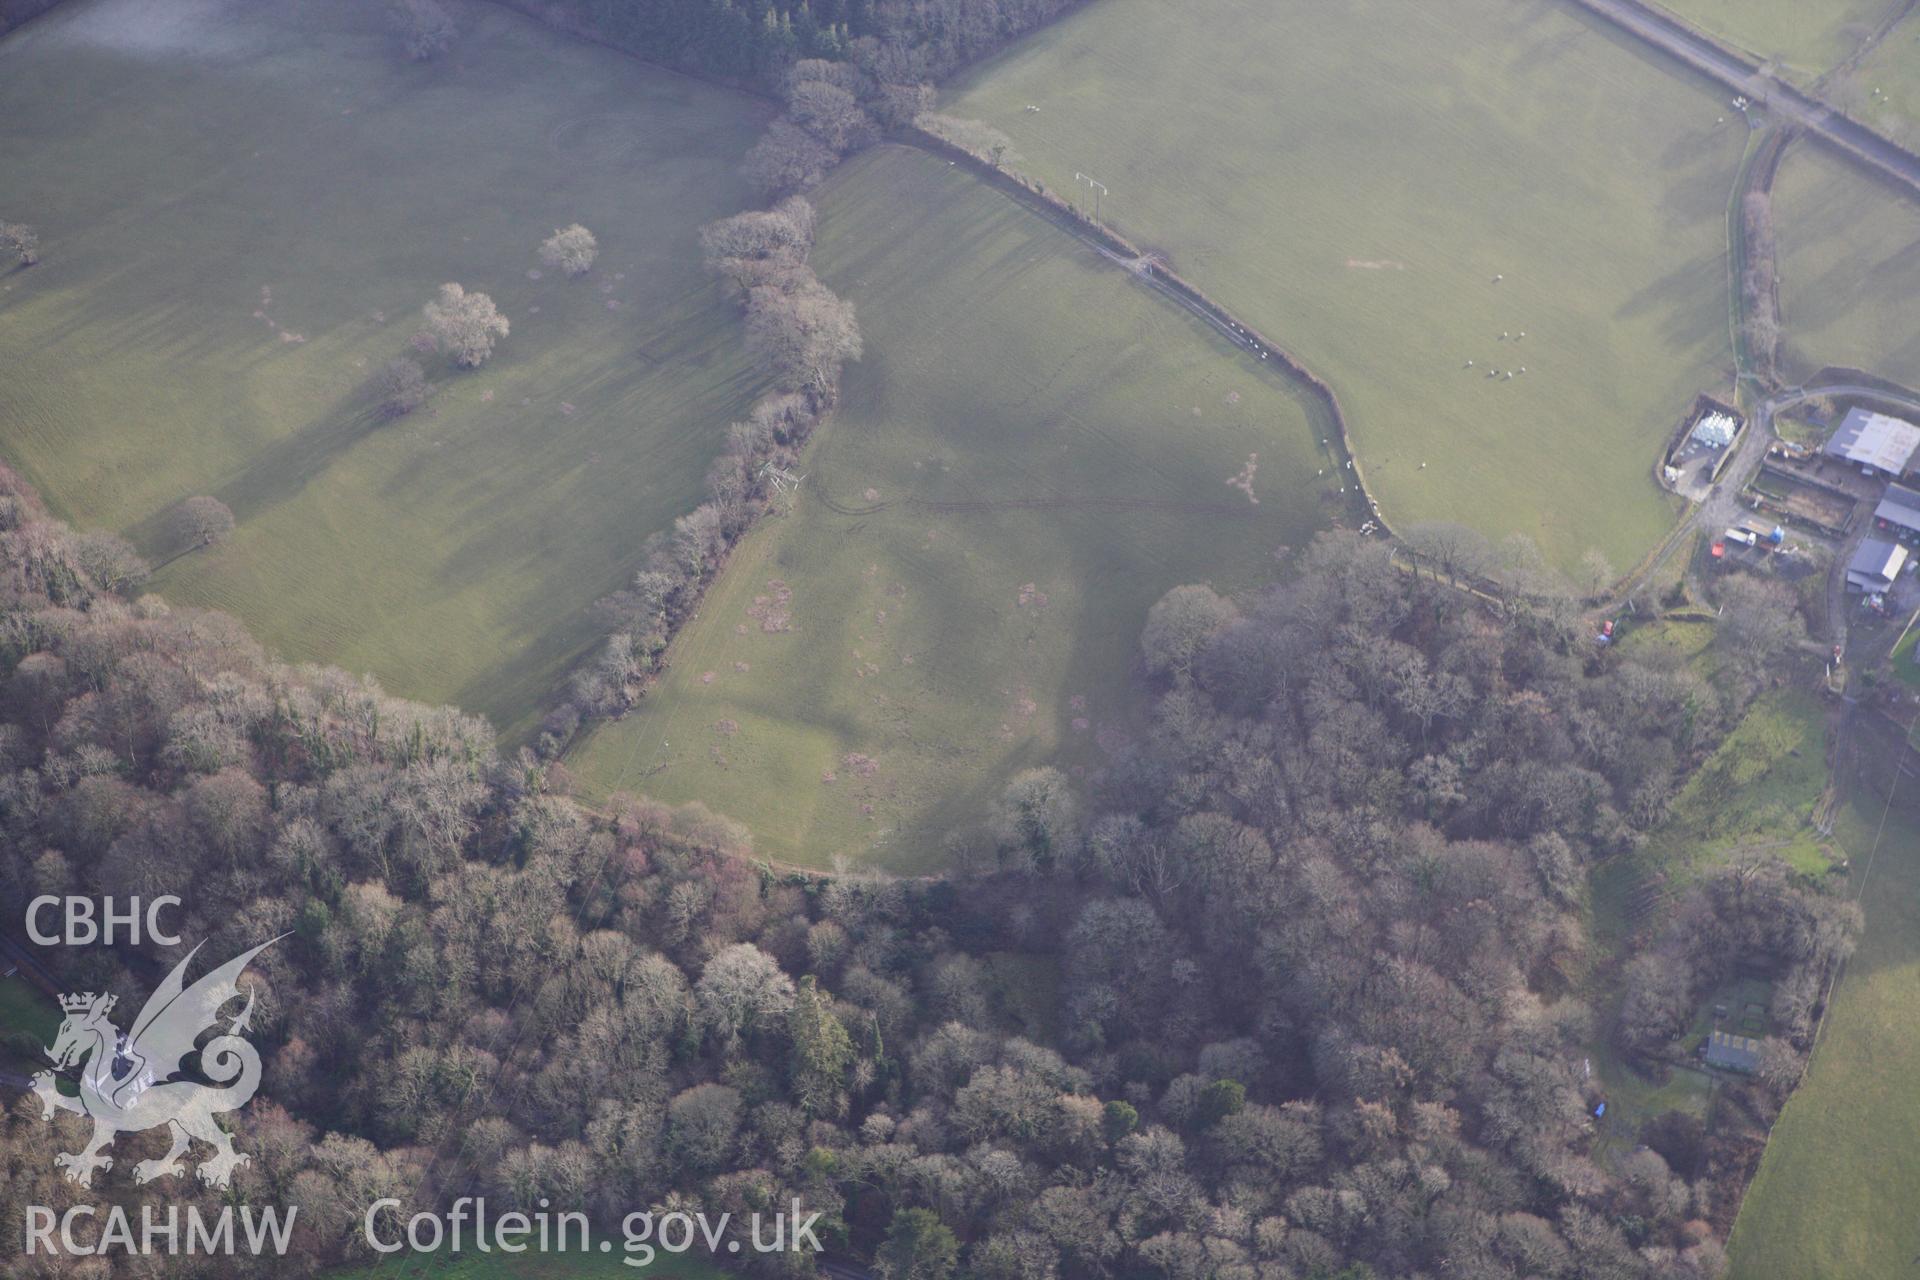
{"type": "Point", "coordinates": [1679, 41]}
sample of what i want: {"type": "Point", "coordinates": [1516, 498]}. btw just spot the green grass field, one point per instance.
{"type": "Point", "coordinates": [1757, 791]}
{"type": "Point", "coordinates": [1884, 92]}
{"type": "Point", "coordinates": [1033, 450]}
{"type": "Point", "coordinates": [1805, 40]}
{"type": "Point", "coordinates": [1849, 268]}
{"type": "Point", "coordinates": [243, 208]}
{"type": "Point", "coordinates": [1834, 1194]}
{"type": "Point", "coordinates": [1903, 660]}
{"type": "Point", "coordinates": [1358, 207]}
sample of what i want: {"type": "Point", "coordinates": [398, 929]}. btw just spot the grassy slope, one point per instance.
{"type": "Point", "coordinates": [181, 156]}
{"type": "Point", "coordinates": [1004, 362]}
{"type": "Point", "coordinates": [1849, 268]}
{"type": "Point", "coordinates": [1351, 177]}
{"type": "Point", "coordinates": [1756, 791]}
{"type": "Point", "coordinates": [1834, 1195]}
{"type": "Point", "coordinates": [1806, 38]}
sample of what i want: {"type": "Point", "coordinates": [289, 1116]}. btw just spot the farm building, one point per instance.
{"type": "Point", "coordinates": [1874, 440]}
{"type": "Point", "coordinates": [1875, 566]}
{"type": "Point", "coordinates": [1899, 513]}
{"type": "Point", "coordinates": [1735, 1053]}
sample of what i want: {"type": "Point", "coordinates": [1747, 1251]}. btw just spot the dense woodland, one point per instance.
{"type": "Point", "coordinates": [1298, 968]}
{"type": "Point", "coordinates": [896, 41]}
{"type": "Point", "coordinates": [1288, 990]}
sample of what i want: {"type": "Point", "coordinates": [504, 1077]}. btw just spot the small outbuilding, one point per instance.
{"type": "Point", "coordinates": [1876, 566]}
{"type": "Point", "coordinates": [1734, 1053]}
{"type": "Point", "coordinates": [1899, 513]}
{"type": "Point", "coordinates": [1880, 443]}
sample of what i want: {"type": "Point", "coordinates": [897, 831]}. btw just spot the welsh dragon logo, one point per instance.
{"type": "Point", "coordinates": [136, 1080]}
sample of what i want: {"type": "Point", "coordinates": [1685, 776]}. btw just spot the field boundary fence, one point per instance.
{"type": "Point", "coordinates": [1152, 270]}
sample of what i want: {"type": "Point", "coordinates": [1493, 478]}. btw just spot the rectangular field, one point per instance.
{"type": "Point", "coordinates": [243, 208]}
{"type": "Point", "coordinates": [1833, 1198]}
{"type": "Point", "coordinates": [1034, 448]}
{"type": "Point", "coordinates": [1388, 189]}
{"type": "Point", "coordinates": [1849, 268]}
{"type": "Point", "coordinates": [1805, 40]}
{"type": "Point", "coordinates": [1884, 93]}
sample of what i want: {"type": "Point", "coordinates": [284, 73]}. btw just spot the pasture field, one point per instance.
{"type": "Point", "coordinates": [1834, 1195]}
{"type": "Point", "coordinates": [1893, 69]}
{"type": "Point", "coordinates": [1757, 789]}
{"type": "Point", "coordinates": [1032, 451]}
{"type": "Point", "coordinates": [1904, 666]}
{"type": "Point", "coordinates": [1849, 268]}
{"type": "Point", "coordinates": [1358, 209]}
{"type": "Point", "coordinates": [1805, 40]}
{"type": "Point", "coordinates": [243, 208]}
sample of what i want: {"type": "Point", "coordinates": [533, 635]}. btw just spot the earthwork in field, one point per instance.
{"type": "Point", "coordinates": [243, 209]}
{"type": "Point", "coordinates": [1456, 177]}
{"type": "Point", "coordinates": [1033, 449]}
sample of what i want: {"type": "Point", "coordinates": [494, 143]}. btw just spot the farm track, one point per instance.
{"type": "Point", "coordinates": [1723, 506]}
{"type": "Point", "coordinates": [1696, 49]}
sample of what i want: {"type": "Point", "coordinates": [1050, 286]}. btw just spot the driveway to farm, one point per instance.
{"type": "Point", "coordinates": [1722, 506]}
{"type": "Point", "coordinates": [1699, 52]}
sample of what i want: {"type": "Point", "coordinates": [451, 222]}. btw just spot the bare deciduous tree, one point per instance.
{"type": "Point", "coordinates": [1596, 571]}
{"type": "Point", "coordinates": [20, 240]}
{"type": "Point", "coordinates": [761, 246]}
{"type": "Point", "coordinates": [202, 521]}
{"type": "Point", "coordinates": [570, 249]}
{"type": "Point", "coordinates": [802, 336]}
{"type": "Point", "coordinates": [402, 385]}
{"type": "Point", "coordinates": [787, 158]}
{"type": "Point", "coordinates": [465, 325]}
{"type": "Point", "coordinates": [110, 558]}
{"type": "Point", "coordinates": [974, 137]}
{"type": "Point", "coordinates": [830, 114]}
{"type": "Point", "coordinates": [1179, 623]}
{"type": "Point", "coordinates": [1760, 320]}
{"type": "Point", "coordinates": [742, 988]}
